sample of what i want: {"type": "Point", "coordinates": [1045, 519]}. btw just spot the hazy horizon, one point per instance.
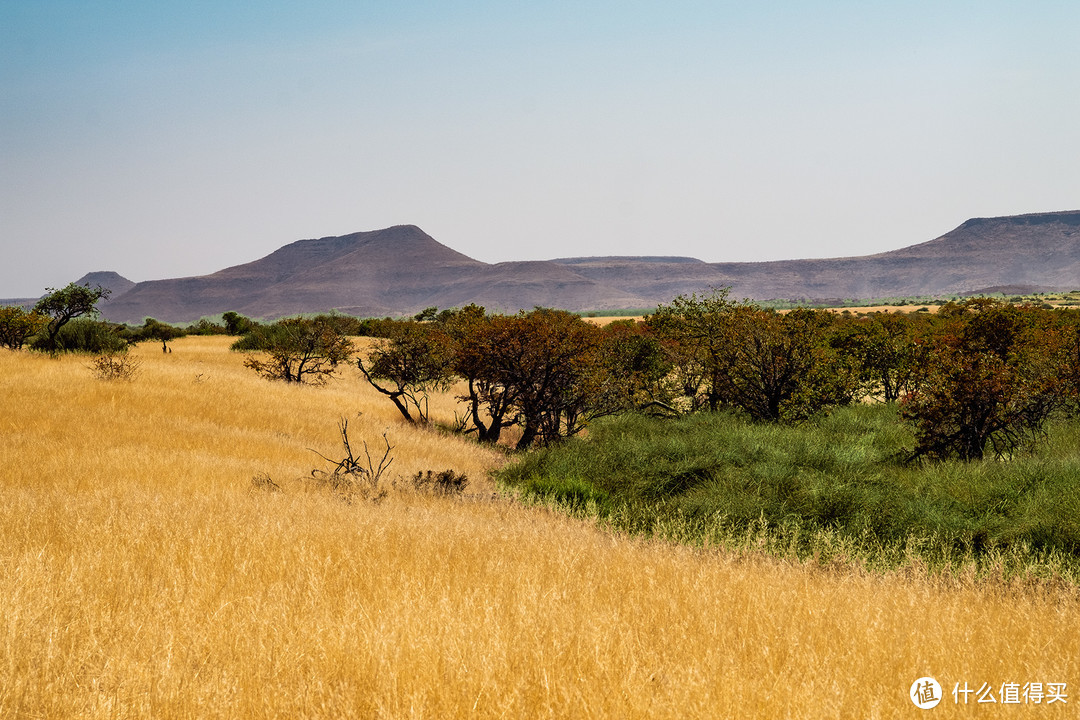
{"type": "Point", "coordinates": [170, 141]}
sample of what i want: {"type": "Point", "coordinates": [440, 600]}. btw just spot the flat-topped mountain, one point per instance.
{"type": "Point", "coordinates": [1038, 252]}
{"type": "Point", "coordinates": [401, 270]}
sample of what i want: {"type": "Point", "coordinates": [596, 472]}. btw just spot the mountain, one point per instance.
{"type": "Point", "coordinates": [1039, 251]}
{"type": "Point", "coordinates": [116, 283]}
{"type": "Point", "coordinates": [397, 270]}
{"type": "Point", "coordinates": [401, 270]}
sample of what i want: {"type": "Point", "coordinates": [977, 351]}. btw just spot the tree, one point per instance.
{"type": "Point", "coordinates": [772, 366]}
{"type": "Point", "coordinates": [412, 361]}
{"type": "Point", "coordinates": [1067, 334]}
{"type": "Point", "coordinates": [779, 366]}
{"type": "Point", "coordinates": [990, 379]}
{"type": "Point", "coordinates": [693, 332]}
{"type": "Point", "coordinates": [237, 324]}
{"type": "Point", "coordinates": [62, 306]}
{"type": "Point", "coordinates": [632, 367]}
{"type": "Point", "coordinates": [886, 349]}
{"type": "Point", "coordinates": [301, 351]}
{"type": "Point", "coordinates": [970, 400]}
{"type": "Point", "coordinates": [17, 325]}
{"type": "Point", "coordinates": [543, 369]}
{"type": "Point", "coordinates": [427, 314]}
{"type": "Point", "coordinates": [156, 330]}
{"type": "Point", "coordinates": [546, 370]}
{"type": "Point", "coordinates": [476, 337]}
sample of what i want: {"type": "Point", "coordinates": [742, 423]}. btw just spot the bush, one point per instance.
{"type": "Point", "coordinates": [205, 327]}
{"type": "Point", "coordinates": [88, 336]}
{"type": "Point", "coordinates": [115, 366]}
{"type": "Point", "coordinates": [445, 482]}
{"type": "Point", "coordinates": [351, 477]}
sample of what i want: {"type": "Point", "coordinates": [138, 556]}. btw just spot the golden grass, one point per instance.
{"type": "Point", "coordinates": [608, 319]}
{"type": "Point", "coordinates": [141, 576]}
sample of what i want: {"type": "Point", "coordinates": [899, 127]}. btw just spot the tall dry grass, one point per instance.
{"type": "Point", "coordinates": [142, 576]}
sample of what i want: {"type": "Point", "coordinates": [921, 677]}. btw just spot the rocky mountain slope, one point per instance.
{"type": "Point", "coordinates": [403, 270]}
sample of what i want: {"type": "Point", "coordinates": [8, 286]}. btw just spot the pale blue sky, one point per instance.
{"type": "Point", "coordinates": [173, 139]}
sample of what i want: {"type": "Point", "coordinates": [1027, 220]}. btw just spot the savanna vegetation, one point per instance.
{"type": "Point", "coordinates": [167, 553]}
{"type": "Point", "coordinates": [761, 514]}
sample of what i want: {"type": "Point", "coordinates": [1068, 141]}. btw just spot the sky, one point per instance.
{"type": "Point", "coordinates": [173, 139]}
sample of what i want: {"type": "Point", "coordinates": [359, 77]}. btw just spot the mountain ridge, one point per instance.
{"type": "Point", "coordinates": [402, 269]}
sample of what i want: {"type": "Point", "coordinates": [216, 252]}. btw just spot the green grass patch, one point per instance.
{"type": "Point", "coordinates": [837, 487]}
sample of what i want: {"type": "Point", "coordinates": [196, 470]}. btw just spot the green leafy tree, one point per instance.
{"type": "Point", "coordinates": [64, 305]}
{"type": "Point", "coordinates": [237, 324]}
{"type": "Point", "coordinates": [301, 351]}
{"type": "Point", "coordinates": [693, 332]}
{"type": "Point", "coordinates": [427, 314]}
{"type": "Point", "coordinates": [885, 349]}
{"type": "Point", "coordinates": [156, 330]}
{"type": "Point", "coordinates": [773, 366]}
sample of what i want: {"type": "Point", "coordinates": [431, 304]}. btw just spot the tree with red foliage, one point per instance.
{"type": "Point", "coordinates": [989, 381]}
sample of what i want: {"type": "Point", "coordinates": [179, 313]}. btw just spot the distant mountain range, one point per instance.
{"type": "Point", "coordinates": [401, 270]}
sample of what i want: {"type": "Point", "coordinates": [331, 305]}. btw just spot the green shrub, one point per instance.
{"type": "Point", "coordinates": [88, 336]}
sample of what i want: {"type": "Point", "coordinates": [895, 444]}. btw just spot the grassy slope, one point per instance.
{"type": "Point", "coordinates": [140, 576]}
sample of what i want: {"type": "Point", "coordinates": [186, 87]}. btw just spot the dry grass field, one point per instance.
{"type": "Point", "coordinates": [143, 576]}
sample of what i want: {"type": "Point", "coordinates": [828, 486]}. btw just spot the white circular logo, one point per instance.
{"type": "Point", "coordinates": [925, 693]}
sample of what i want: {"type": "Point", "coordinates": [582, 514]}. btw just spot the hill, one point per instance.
{"type": "Point", "coordinates": [114, 282]}
{"type": "Point", "coordinates": [402, 270]}
{"type": "Point", "coordinates": [396, 270]}
{"type": "Point", "coordinates": [1037, 252]}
